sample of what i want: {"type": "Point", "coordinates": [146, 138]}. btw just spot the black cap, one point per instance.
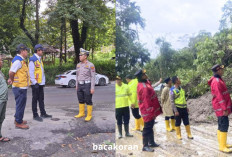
{"type": "Point", "coordinates": [38, 47]}
{"type": "Point", "coordinates": [129, 76]}
{"type": "Point", "coordinates": [21, 47]}
{"type": "Point", "coordinates": [217, 67]}
{"type": "Point", "coordinates": [140, 72]}
{"type": "Point", "coordinates": [167, 80]}
{"type": "Point", "coordinates": [174, 79]}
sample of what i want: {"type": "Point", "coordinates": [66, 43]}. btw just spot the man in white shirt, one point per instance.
{"type": "Point", "coordinates": [37, 76]}
{"type": "Point", "coordinates": [20, 79]}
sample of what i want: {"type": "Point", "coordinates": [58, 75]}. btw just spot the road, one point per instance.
{"type": "Point", "coordinates": [66, 137]}
{"type": "Point", "coordinates": [204, 144]}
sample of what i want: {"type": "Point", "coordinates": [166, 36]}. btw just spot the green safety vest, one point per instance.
{"type": "Point", "coordinates": [121, 96]}
{"type": "Point", "coordinates": [180, 100]}
{"type": "Point", "coordinates": [132, 85]}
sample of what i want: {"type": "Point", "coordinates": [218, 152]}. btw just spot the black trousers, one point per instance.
{"type": "Point", "coordinates": [83, 94]}
{"type": "Point", "coordinates": [223, 123]}
{"type": "Point", "coordinates": [122, 115]}
{"type": "Point", "coordinates": [183, 115]}
{"type": "Point", "coordinates": [167, 118]}
{"type": "Point", "coordinates": [38, 96]}
{"type": "Point", "coordinates": [135, 112]}
{"type": "Point", "coordinates": [148, 133]}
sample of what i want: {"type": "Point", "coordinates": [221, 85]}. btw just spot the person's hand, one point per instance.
{"type": "Point", "coordinates": [225, 113]}
{"type": "Point", "coordinates": [10, 81]}
{"type": "Point", "coordinates": [177, 114]}
{"type": "Point", "coordinates": [92, 91]}
{"type": "Point", "coordinates": [36, 85]}
{"type": "Point", "coordinates": [133, 106]}
{"type": "Point", "coordinates": [160, 80]}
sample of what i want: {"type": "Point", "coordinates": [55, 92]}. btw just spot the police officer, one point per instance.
{"type": "Point", "coordinates": [222, 106]}
{"type": "Point", "coordinates": [85, 83]}
{"type": "Point", "coordinates": [20, 79]}
{"type": "Point", "coordinates": [179, 106]}
{"type": "Point", "coordinates": [122, 106]}
{"type": "Point", "coordinates": [133, 102]}
{"type": "Point", "coordinates": [37, 76]}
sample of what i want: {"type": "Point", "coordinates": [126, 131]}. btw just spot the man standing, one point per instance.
{"type": "Point", "coordinates": [85, 83]}
{"type": "Point", "coordinates": [122, 111]}
{"type": "Point", "coordinates": [3, 101]}
{"type": "Point", "coordinates": [149, 107]}
{"type": "Point", "coordinates": [37, 76]}
{"type": "Point", "coordinates": [167, 106]}
{"type": "Point", "coordinates": [222, 106]}
{"type": "Point", "coordinates": [133, 102]}
{"type": "Point", "coordinates": [20, 79]}
{"type": "Point", "coordinates": [179, 106]}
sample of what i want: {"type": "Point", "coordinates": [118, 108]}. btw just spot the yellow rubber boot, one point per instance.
{"type": "Point", "coordinates": [167, 125]}
{"type": "Point", "coordinates": [178, 133]}
{"type": "Point", "coordinates": [222, 146]}
{"type": "Point", "coordinates": [187, 127]}
{"type": "Point", "coordinates": [218, 136]}
{"type": "Point", "coordinates": [137, 126]}
{"type": "Point", "coordinates": [89, 113]}
{"type": "Point", "coordinates": [173, 124]}
{"type": "Point", "coordinates": [141, 123]}
{"type": "Point", "coordinates": [81, 111]}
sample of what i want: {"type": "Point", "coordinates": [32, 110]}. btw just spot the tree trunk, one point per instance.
{"type": "Point", "coordinates": [76, 39]}
{"type": "Point", "coordinates": [37, 22]}
{"type": "Point", "coordinates": [61, 40]}
{"type": "Point", "coordinates": [65, 41]}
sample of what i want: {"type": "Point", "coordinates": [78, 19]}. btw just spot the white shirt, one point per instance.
{"type": "Point", "coordinates": [32, 72]}
{"type": "Point", "coordinates": [15, 67]}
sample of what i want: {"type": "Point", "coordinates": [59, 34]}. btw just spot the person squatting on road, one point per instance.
{"type": "Point", "coordinates": [37, 76]}
{"type": "Point", "coordinates": [167, 106]}
{"type": "Point", "coordinates": [222, 106]}
{"type": "Point", "coordinates": [20, 79]}
{"type": "Point", "coordinates": [179, 106]}
{"type": "Point", "coordinates": [85, 83]}
{"type": "Point", "coordinates": [3, 101]}
{"type": "Point", "coordinates": [133, 102]}
{"type": "Point", "coordinates": [122, 111]}
{"type": "Point", "coordinates": [149, 107]}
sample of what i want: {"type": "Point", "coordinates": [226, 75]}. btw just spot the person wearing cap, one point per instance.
{"type": "Point", "coordinates": [167, 106]}
{"type": "Point", "coordinates": [133, 102]}
{"type": "Point", "coordinates": [122, 112]}
{"type": "Point", "coordinates": [85, 83]}
{"type": "Point", "coordinates": [37, 76]}
{"type": "Point", "coordinates": [3, 101]}
{"type": "Point", "coordinates": [222, 106]}
{"type": "Point", "coordinates": [19, 78]}
{"type": "Point", "coordinates": [179, 106]}
{"type": "Point", "coordinates": [149, 107]}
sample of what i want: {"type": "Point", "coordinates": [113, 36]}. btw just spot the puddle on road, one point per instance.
{"type": "Point", "coordinates": [204, 144]}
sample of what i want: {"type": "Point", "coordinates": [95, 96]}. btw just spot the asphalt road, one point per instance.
{"type": "Point", "coordinates": [68, 136]}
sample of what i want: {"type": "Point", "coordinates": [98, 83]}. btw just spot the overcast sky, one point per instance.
{"type": "Point", "coordinates": [177, 20]}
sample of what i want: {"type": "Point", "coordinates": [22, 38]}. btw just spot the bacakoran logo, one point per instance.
{"type": "Point", "coordinates": [115, 147]}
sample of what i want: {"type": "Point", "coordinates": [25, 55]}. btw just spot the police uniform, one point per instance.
{"type": "Point", "coordinates": [85, 82]}
{"type": "Point", "coordinates": [20, 84]}
{"type": "Point", "coordinates": [221, 103]}
{"type": "Point", "coordinates": [37, 77]}
{"type": "Point", "coordinates": [132, 86]}
{"type": "Point", "coordinates": [179, 104]}
{"type": "Point", "coordinates": [122, 111]}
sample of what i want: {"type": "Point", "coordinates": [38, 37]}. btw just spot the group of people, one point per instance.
{"type": "Point", "coordinates": [140, 96]}
{"type": "Point", "coordinates": [23, 74]}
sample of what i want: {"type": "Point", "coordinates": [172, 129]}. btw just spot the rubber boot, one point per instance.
{"type": "Point", "coordinates": [223, 139]}
{"type": "Point", "coordinates": [168, 126]}
{"type": "Point", "coordinates": [89, 113]}
{"type": "Point", "coordinates": [126, 127]}
{"type": "Point", "coordinates": [178, 133]}
{"type": "Point", "coordinates": [173, 124]}
{"type": "Point", "coordinates": [137, 126]}
{"type": "Point", "coordinates": [218, 136]}
{"type": "Point", "coordinates": [141, 123]}
{"type": "Point", "coordinates": [151, 142]}
{"type": "Point", "coordinates": [119, 131]}
{"type": "Point", "coordinates": [81, 111]}
{"type": "Point", "coordinates": [145, 145]}
{"type": "Point", "coordinates": [187, 127]}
